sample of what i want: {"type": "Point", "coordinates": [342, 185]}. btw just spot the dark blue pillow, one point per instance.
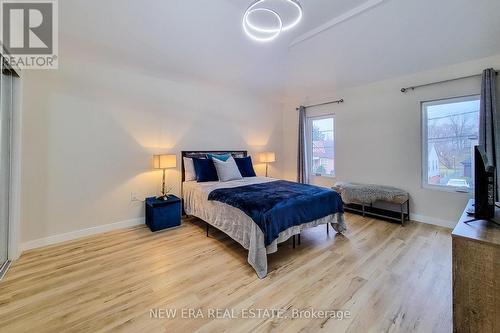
{"type": "Point", "coordinates": [205, 170]}
{"type": "Point", "coordinates": [245, 166]}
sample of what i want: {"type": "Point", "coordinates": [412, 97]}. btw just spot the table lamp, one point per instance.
{"type": "Point", "coordinates": [267, 157]}
{"type": "Point", "coordinates": [164, 162]}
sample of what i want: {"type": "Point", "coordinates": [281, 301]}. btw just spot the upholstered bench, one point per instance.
{"type": "Point", "coordinates": [361, 197]}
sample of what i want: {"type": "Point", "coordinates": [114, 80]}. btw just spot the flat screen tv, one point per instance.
{"type": "Point", "coordinates": [485, 187]}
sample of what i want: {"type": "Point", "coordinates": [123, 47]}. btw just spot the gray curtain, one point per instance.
{"type": "Point", "coordinates": [302, 176]}
{"type": "Point", "coordinates": [489, 126]}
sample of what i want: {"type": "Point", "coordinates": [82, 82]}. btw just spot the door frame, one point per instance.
{"type": "Point", "coordinates": [14, 250]}
{"type": "Point", "coordinates": [15, 171]}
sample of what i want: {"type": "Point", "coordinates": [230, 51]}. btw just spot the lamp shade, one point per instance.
{"type": "Point", "coordinates": [267, 157]}
{"type": "Point", "coordinates": [164, 161]}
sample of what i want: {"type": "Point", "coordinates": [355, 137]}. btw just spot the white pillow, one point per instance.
{"type": "Point", "coordinates": [189, 173]}
{"type": "Point", "coordinates": [227, 170]}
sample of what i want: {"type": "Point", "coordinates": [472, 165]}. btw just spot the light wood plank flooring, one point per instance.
{"type": "Point", "coordinates": [390, 278]}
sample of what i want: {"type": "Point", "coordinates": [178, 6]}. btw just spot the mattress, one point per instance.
{"type": "Point", "coordinates": [239, 226]}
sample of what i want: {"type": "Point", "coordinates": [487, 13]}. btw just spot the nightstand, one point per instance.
{"type": "Point", "coordinates": [163, 214]}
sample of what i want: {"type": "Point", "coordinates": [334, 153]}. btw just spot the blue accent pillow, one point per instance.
{"type": "Point", "coordinates": [222, 157]}
{"type": "Point", "coordinates": [205, 170]}
{"type": "Point", "coordinates": [245, 166]}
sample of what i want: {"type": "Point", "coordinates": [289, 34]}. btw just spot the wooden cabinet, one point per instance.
{"type": "Point", "coordinates": [476, 276]}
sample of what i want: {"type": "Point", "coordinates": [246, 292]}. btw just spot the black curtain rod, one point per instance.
{"type": "Point", "coordinates": [404, 90]}
{"type": "Point", "coordinates": [325, 103]}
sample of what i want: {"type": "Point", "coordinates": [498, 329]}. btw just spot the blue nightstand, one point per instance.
{"type": "Point", "coordinates": [163, 214]}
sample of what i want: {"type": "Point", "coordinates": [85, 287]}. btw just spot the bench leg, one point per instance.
{"type": "Point", "coordinates": [298, 238]}
{"type": "Point", "coordinates": [327, 229]}
{"type": "Point", "coordinates": [293, 241]}
{"type": "Point", "coordinates": [402, 215]}
{"type": "Point", "coordinates": [408, 209]}
{"type": "Point", "coordinates": [208, 226]}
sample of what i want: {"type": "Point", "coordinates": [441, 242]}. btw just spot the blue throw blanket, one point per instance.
{"type": "Point", "coordinates": [278, 205]}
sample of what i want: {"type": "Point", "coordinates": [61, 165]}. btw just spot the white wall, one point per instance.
{"type": "Point", "coordinates": [89, 130]}
{"type": "Point", "coordinates": [378, 134]}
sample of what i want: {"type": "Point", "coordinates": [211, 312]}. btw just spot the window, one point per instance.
{"type": "Point", "coordinates": [321, 152]}
{"type": "Point", "coordinates": [450, 130]}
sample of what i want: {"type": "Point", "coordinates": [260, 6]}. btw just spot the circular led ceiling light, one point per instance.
{"type": "Point", "coordinates": [262, 33]}
{"type": "Point", "coordinates": [266, 36]}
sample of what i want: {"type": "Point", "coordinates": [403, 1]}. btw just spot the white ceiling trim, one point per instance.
{"type": "Point", "coordinates": [341, 18]}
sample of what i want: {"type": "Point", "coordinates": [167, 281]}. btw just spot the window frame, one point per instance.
{"type": "Point", "coordinates": [309, 149]}
{"type": "Point", "coordinates": [424, 142]}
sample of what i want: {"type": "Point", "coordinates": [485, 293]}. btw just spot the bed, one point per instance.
{"type": "Point", "coordinates": [240, 224]}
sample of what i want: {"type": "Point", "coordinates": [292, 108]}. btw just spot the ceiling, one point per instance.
{"type": "Point", "coordinates": [203, 40]}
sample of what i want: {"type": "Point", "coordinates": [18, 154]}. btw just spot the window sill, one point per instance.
{"type": "Point", "coordinates": [448, 189]}
{"type": "Point", "coordinates": [323, 176]}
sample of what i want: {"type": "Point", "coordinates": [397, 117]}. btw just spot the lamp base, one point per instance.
{"type": "Point", "coordinates": [162, 197]}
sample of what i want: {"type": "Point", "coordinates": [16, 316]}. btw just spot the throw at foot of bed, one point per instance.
{"type": "Point", "coordinates": [278, 205]}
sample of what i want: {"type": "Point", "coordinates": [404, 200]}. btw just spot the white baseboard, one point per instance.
{"type": "Point", "coordinates": [80, 233]}
{"type": "Point", "coordinates": [51, 240]}
{"type": "Point", "coordinates": [433, 221]}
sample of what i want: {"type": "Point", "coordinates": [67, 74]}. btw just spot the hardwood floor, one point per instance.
{"type": "Point", "coordinates": [390, 278]}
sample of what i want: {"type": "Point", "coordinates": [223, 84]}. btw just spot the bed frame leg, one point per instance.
{"type": "Point", "coordinates": [208, 226]}
{"type": "Point", "coordinates": [327, 229]}
{"type": "Point", "coordinates": [293, 241]}
{"type": "Point", "coordinates": [298, 238]}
